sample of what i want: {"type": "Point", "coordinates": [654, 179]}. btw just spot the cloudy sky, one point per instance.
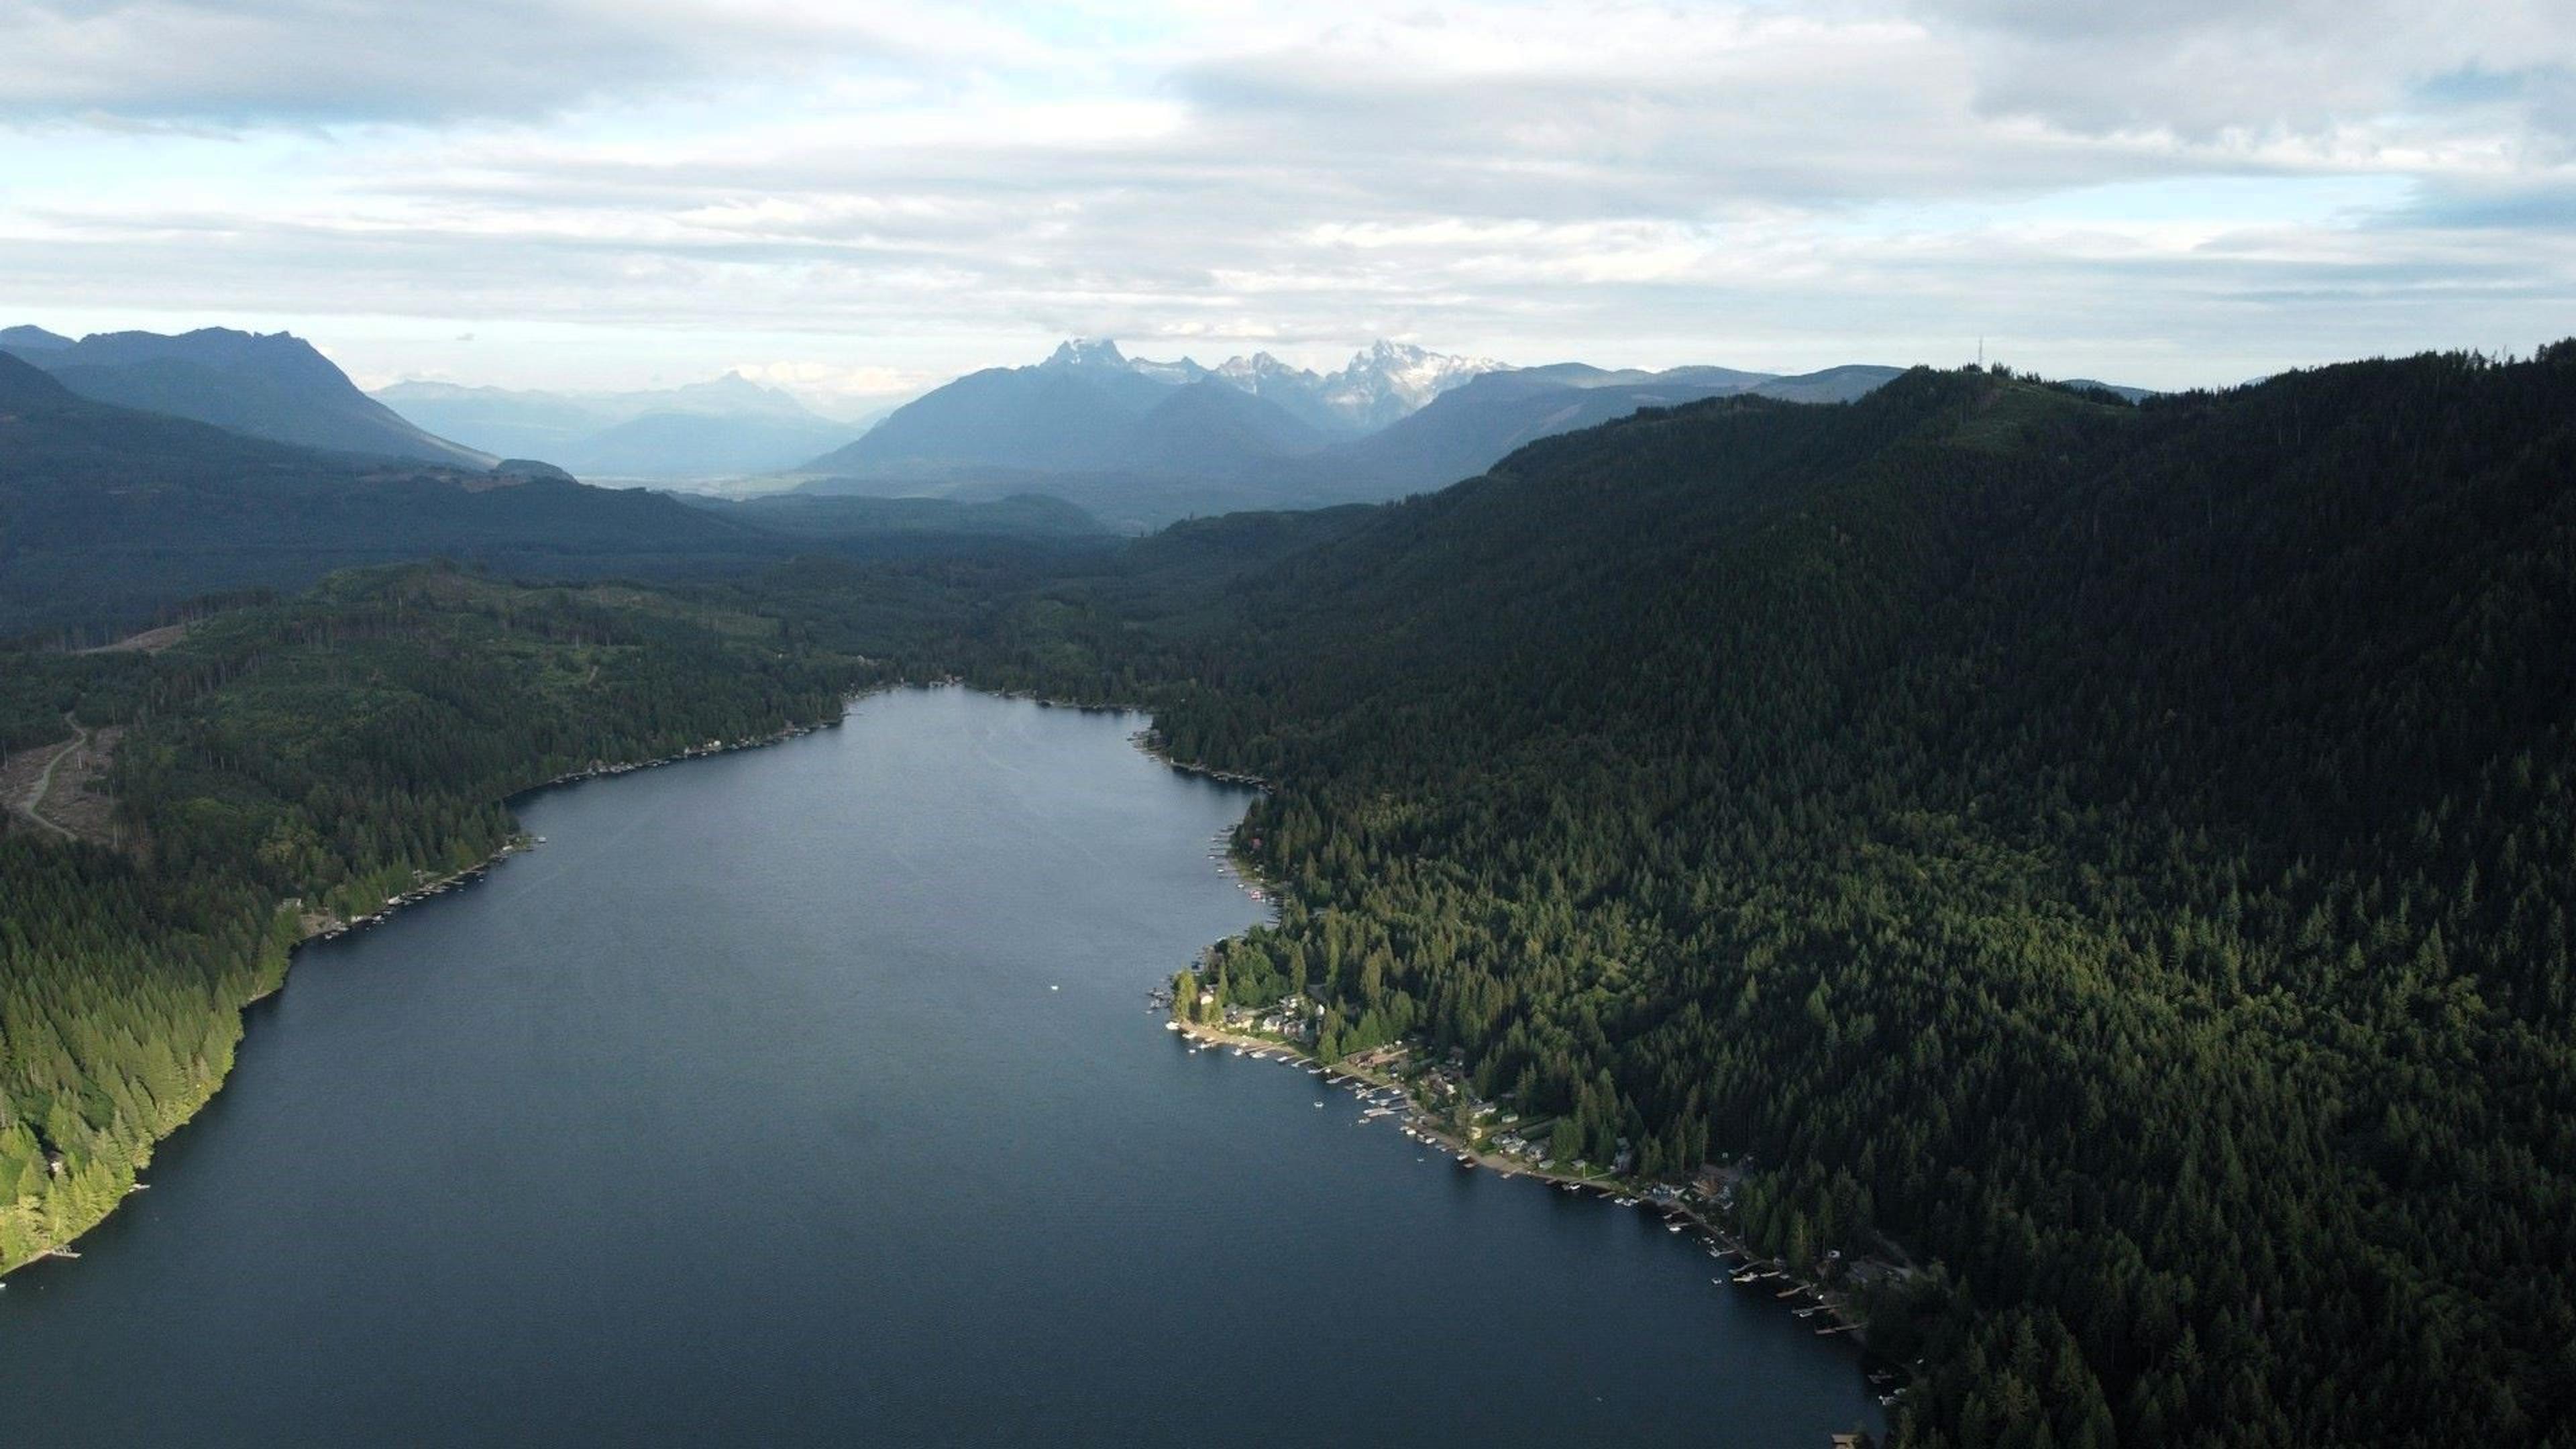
{"type": "Point", "coordinates": [861, 199]}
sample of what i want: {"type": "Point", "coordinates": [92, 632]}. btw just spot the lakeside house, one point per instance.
{"type": "Point", "coordinates": [1294, 1018]}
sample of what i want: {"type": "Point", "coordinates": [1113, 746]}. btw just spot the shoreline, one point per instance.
{"type": "Point", "coordinates": [1679, 1216]}
{"type": "Point", "coordinates": [1146, 741]}
{"type": "Point", "coordinates": [1151, 744]}
{"type": "Point", "coordinates": [324, 927]}
{"type": "Point", "coordinates": [520, 841]}
{"type": "Point", "coordinates": [1813, 1298]}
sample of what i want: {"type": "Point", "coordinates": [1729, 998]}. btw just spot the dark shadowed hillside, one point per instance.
{"type": "Point", "coordinates": [106, 513]}
{"type": "Point", "coordinates": [2117, 854]}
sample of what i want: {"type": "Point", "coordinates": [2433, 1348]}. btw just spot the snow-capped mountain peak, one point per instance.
{"type": "Point", "coordinates": [1087, 352]}
{"type": "Point", "coordinates": [1381, 383]}
{"type": "Point", "coordinates": [1389, 380]}
{"type": "Point", "coordinates": [1178, 373]}
{"type": "Point", "coordinates": [1252, 373]}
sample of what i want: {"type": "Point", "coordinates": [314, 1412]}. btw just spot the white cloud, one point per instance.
{"type": "Point", "coordinates": [2158, 192]}
{"type": "Point", "coordinates": [324, 61]}
{"type": "Point", "coordinates": [2211, 68]}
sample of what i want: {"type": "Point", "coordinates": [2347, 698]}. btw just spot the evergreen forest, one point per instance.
{"type": "Point", "coordinates": [2116, 857]}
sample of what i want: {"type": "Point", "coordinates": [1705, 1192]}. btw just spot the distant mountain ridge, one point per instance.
{"type": "Point", "coordinates": [1090, 408]}
{"type": "Point", "coordinates": [1140, 443]}
{"type": "Point", "coordinates": [264, 385]}
{"type": "Point", "coordinates": [729, 427]}
{"type": "Point", "coordinates": [106, 511]}
{"type": "Point", "coordinates": [109, 513]}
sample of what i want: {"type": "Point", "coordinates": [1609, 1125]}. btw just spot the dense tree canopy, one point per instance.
{"type": "Point", "coordinates": [2123, 854]}
{"type": "Point", "coordinates": [2123, 857]}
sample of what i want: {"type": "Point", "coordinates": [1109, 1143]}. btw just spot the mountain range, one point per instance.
{"type": "Point", "coordinates": [1133, 442]}
{"type": "Point", "coordinates": [731, 427]}
{"type": "Point", "coordinates": [272, 386]}
{"type": "Point", "coordinates": [109, 513]}
{"type": "Point", "coordinates": [1381, 384]}
{"type": "Point", "coordinates": [1089, 408]}
{"type": "Point", "coordinates": [1140, 443]}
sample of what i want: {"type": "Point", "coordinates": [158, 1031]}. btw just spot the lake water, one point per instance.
{"type": "Point", "coordinates": [807, 1095]}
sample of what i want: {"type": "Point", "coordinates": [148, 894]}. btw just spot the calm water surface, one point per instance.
{"type": "Point", "coordinates": [806, 1096]}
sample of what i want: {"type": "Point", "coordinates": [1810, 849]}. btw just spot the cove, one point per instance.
{"type": "Point", "coordinates": [807, 1095]}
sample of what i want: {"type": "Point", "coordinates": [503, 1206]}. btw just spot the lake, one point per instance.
{"type": "Point", "coordinates": [807, 1095]}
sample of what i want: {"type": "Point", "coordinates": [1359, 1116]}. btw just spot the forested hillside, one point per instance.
{"type": "Point", "coordinates": [306, 758]}
{"type": "Point", "coordinates": [109, 518]}
{"type": "Point", "coordinates": [108, 514]}
{"type": "Point", "coordinates": [2123, 854]}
